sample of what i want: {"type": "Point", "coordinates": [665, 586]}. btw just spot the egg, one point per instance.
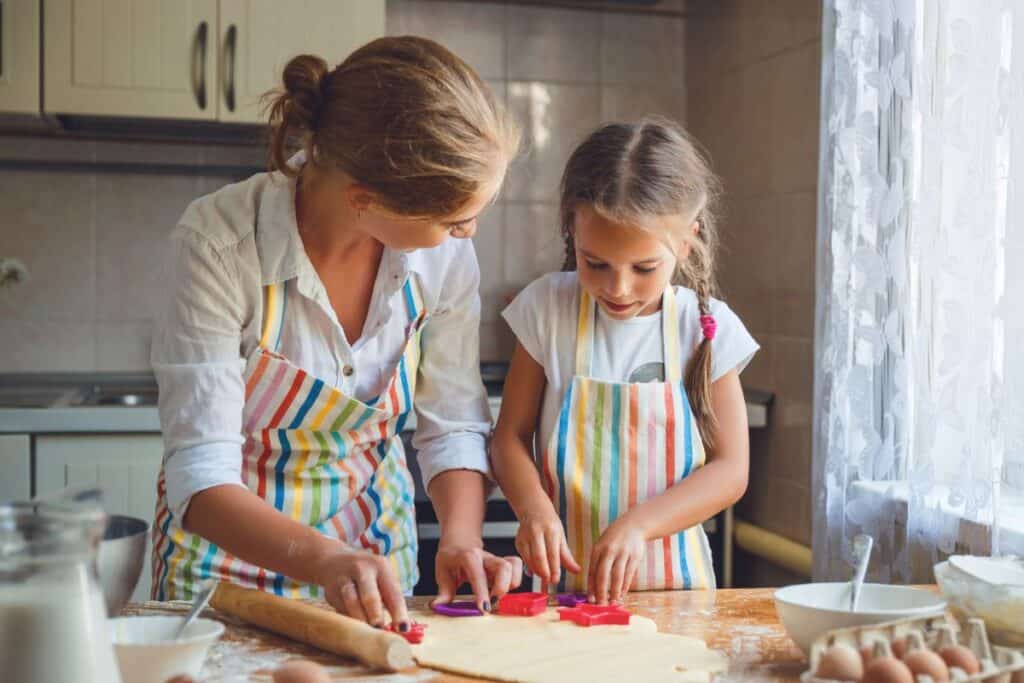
{"type": "Point", "coordinates": [927, 663]}
{"type": "Point", "coordinates": [301, 671]}
{"type": "Point", "coordinates": [960, 657]}
{"type": "Point", "coordinates": [840, 663]}
{"type": "Point", "coordinates": [887, 670]}
{"type": "Point", "coordinates": [1018, 677]}
{"type": "Point", "coordinates": [181, 679]}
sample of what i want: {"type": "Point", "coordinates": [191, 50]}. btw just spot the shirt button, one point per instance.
{"type": "Point", "coordinates": [347, 370]}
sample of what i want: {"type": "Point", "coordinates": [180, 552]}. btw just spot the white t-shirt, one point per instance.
{"type": "Point", "coordinates": [544, 318]}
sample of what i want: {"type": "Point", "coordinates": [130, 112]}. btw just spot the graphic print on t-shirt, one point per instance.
{"type": "Point", "coordinates": [648, 372]}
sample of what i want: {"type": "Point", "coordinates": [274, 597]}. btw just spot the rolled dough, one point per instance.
{"type": "Point", "coordinates": [542, 649]}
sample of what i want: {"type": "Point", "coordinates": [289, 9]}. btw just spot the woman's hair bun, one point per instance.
{"type": "Point", "coordinates": [304, 89]}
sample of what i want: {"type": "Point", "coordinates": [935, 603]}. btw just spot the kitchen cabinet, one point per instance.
{"type": "Point", "coordinates": [193, 59]}
{"type": "Point", "coordinates": [126, 466]}
{"type": "Point", "coordinates": [15, 467]}
{"type": "Point", "coordinates": [19, 56]}
{"type": "Point", "coordinates": [258, 37]}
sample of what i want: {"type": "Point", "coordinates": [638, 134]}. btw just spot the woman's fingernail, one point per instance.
{"type": "Point", "coordinates": [591, 598]}
{"type": "Point", "coordinates": [487, 606]}
{"type": "Point", "coordinates": [494, 599]}
{"type": "Point", "coordinates": [404, 627]}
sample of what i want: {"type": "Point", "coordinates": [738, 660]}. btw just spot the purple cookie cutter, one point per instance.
{"type": "Point", "coordinates": [571, 599]}
{"type": "Point", "coordinates": [462, 608]}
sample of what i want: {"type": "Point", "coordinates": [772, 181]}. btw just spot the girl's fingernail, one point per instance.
{"type": "Point", "coordinates": [403, 627]}
{"type": "Point", "coordinates": [487, 606]}
{"type": "Point", "coordinates": [494, 599]}
{"type": "Point", "coordinates": [591, 598]}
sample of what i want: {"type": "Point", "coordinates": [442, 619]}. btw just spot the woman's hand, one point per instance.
{"type": "Point", "coordinates": [614, 561]}
{"type": "Point", "coordinates": [362, 585]}
{"type": "Point", "coordinates": [541, 543]}
{"type": "Point", "coordinates": [460, 561]}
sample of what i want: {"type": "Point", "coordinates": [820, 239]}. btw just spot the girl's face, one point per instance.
{"type": "Point", "coordinates": [625, 268]}
{"type": "Point", "coordinates": [406, 234]}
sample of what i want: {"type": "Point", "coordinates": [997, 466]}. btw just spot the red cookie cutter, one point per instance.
{"type": "Point", "coordinates": [594, 615]}
{"type": "Point", "coordinates": [523, 604]}
{"type": "Point", "coordinates": [414, 635]}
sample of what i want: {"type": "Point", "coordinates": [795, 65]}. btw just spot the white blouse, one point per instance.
{"type": "Point", "coordinates": [226, 248]}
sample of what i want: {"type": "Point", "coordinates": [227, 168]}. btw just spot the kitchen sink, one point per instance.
{"type": "Point", "coordinates": [122, 397]}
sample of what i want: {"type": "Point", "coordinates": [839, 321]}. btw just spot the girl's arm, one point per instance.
{"type": "Point", "coordinates": [703, 494]}
{"type": "Point", "coordinates": [540, 539]}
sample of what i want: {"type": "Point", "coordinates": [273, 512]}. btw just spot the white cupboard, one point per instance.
{"type": "Point", "coordinates": [125, 465]}
{"type": "Point", "coordinates": [19, 56]}
{"type": "Point", "coordinates": [16, 467]}
{"type": "Point", "coordinates": [189, 59]}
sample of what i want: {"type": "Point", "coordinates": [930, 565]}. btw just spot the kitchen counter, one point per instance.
{"type": "Point", "coordinates": [742, 623]}
{"type": "Point", "coordinates": [63, 403]}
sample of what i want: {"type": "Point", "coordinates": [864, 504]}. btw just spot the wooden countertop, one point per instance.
{"type": "Point", "coordinates": [742, 623]}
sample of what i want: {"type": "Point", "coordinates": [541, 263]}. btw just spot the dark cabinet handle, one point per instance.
{"type": "Point", "coordinates": [199, 64]}
{"type": "Point", "coordinates": [230, 57]}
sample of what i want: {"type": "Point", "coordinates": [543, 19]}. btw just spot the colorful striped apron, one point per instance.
{"type": "Point", "coordinates": [615, 445]}
{"type": "Point", "coordinates": [316, 454]}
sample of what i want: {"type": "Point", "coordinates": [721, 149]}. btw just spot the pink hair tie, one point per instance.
{"type": "Point", "coordinates": [708, 325]}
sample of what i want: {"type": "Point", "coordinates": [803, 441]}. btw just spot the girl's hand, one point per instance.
{"type": "Point", "coordinates": [541, 543]}
{"type": "Point", "coordinates": [462, 561]}
{"type": "Point", "coordinates": [614, 561]}
{"type": "Point", "coordinates": [362, 585]}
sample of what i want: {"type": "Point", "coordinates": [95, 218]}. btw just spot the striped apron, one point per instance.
{"type": "Point", "coordinates": [615, 445]}
{"type": "Point", "coordinates": [321, 457]}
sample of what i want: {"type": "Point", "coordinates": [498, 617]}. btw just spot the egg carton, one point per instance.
{"type": "Point", "coordinates": [998, 664]}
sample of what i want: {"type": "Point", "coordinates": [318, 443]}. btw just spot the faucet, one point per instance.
{"type": "Point", "coordinates": [12, 271]}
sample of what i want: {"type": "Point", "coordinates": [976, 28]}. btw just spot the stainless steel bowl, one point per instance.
{"type": "Point", "coordinates": [121, 556]}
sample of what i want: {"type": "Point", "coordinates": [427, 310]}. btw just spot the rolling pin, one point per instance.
{"type": "Point", "coordinates": [311, 625]}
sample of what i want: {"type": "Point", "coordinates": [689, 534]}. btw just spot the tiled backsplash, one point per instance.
{"type": "Point", "coordinates": [92, 239]}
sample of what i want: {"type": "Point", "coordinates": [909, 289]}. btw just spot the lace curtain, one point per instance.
{"type": "Point", "coordinates": [919, 384]}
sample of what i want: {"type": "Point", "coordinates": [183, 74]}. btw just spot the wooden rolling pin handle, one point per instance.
{"type": "Point", "coordinates": [311, 625]}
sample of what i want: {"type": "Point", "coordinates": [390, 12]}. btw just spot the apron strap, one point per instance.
{"type": "Point", "coordinates": [669, 334]}
{"type": "Point", "coordinates": [413, 296]}
{"type": "Point", "coordinates": [275, 296]}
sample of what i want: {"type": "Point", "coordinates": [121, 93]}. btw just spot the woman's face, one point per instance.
{"type": "Point", "coordinates": [407, 234]}
{"type": "Point", "coordinates": [626, 268]}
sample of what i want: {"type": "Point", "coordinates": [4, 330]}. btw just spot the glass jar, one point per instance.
{"type": "Point", "coordinates": [53, 625]}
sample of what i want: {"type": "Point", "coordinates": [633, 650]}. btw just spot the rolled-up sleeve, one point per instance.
{"type": "Point", "coordinates": [195, 357]}
{"type": "Point", "coordinates": [452, 415]}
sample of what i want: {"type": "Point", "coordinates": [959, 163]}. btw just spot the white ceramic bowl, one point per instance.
{"type": "Point", "coordinates": [999, 605]}
{"type": "Point", "coordinates": [808, 610]}
{"type": "Point", "coordinates": [146, 653]}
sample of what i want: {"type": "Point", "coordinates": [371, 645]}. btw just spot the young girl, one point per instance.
{"type": "Point", "coordinates": [633, 371]}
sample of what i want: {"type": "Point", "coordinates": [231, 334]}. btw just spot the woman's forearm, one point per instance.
{"type": "Point", "coordinates": [243, 524]}
{"type": "Point", "coordinates": [459, 498]}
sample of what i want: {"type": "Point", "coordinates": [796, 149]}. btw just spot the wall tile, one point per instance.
{"type": "Point", "coordinates": [473, 31]}
{"type": "Point", "coordinates": [46, 345]}
{"type": "Point", "coordinates": [794, 103]}
{"type": "Point", "coordinates": [546, 44]}
{"type": "Point", "coordinates": [134, 215]}
{"type": "Point", "coordinates": [46, 221]}
{"type": "Point", "coordinates": [123, 346]}
{"type": "Point", "coordinates": [489, 243]}
{"type": "Point", "coordinates": [629, 104]}
{"type": "Point", "coordinates": [554, 119]}
{"type": "Point", "coordinates": [534, 246]}
{"type": "Point", "coordinates": [639, 48]}
{"type": "Point", "coordinates": [797, 237]}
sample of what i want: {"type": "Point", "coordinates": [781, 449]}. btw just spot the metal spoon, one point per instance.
{"type": "Point", "coordinates": [198, 603]}
{"type": "Point", "coordinates": [862, 544]}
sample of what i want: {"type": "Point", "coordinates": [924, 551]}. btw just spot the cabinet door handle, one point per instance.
{"type": "Point", "coordinates": [230, 55]}
{"type": "Point", "coordinates": [199, 64]}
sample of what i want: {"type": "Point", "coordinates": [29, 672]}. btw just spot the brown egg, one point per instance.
{"type": "Point", "coordinates": [925, 662]}
{"type": "Point", "coordinates": [840, 663]}
{"type": "Point", "coordinates": [301, 671]}
{"type": "Point", "coordinates": [181, 679]}
{"type": "Point", "coordinates": [961, 657]}
{"type": "Point", "coordinates": [887, 670]}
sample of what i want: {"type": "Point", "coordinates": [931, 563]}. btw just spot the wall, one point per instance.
{"type": "Point", "coordinates": [92, 238]}
{"type": "Point", "coordinates": [753, 72]}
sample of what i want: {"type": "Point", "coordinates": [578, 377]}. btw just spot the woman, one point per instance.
{"type": "Point", "coordinates": [333, 279]}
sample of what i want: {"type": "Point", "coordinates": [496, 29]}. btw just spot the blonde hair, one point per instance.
{"type": "Point", "coordinates": [401, 115]}
{"type": "Point", "coordinates": [629, 172]}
